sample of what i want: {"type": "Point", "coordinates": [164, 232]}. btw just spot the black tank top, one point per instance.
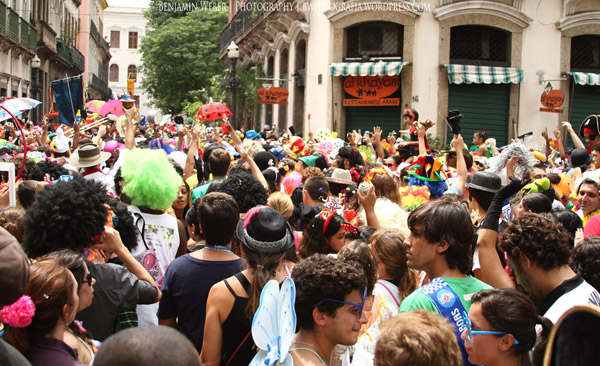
{"type": "Point", "coordinates": [236, 329]}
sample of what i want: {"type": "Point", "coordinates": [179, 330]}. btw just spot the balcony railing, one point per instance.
{"type": "Point", "coordinates": [24, 32]}
{"type": "Point", "coordinates": [63, 51]}
{"type": "Point", "coordinates": [77, 58]}
{"type": "Point", "coordinates": [2, 17]}
{"type": "Point", "coordinates": [32, 41]}
{"type": "Point", "coordinates": [243, 20]}
{"type": "Point", "coordinates": [13, 24]}
{"type": "Point", "coordinates": [98, 84]}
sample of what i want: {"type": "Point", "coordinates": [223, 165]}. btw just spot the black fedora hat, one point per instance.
{"type": "Point", "coordinates": [265, 231]}
{"type": "Point", "coordinates": [485, 181]}
{"type": "Point", "coordinates": [580, 157]}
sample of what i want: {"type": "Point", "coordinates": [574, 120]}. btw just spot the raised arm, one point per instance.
{"type": "Point", "coordinates": [130, 114]}
{"type": "Point", "coordinates": [255, 170]}
{"type": "Point", "coordinates": [561, 146]}
{"type": "Point", "coordinates": [576, 140]}
{"type": "Point", "coordinates": [112, 243]}
{"type": "Point", "coordinates": [492, 271]}
{"type": "Point", "coordinates": [188, 170]}
{"type": "Point", "coordinates": [421, 133]}
{"type": "Point", "coordinates": [377, 138]}
{"type": "Point", "coordinates": [547, 139]}
{"type": "Point", "coordinates": [367, 200]}
{"type": "Point", "coordinates": [461, 164]}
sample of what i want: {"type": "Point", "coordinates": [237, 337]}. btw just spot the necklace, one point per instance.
{"type": "Point", "coordinates": [307, 349]}
{"type": "Point", "coordinates": [221, 248]}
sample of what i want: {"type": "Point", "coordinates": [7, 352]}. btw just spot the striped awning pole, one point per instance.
{"type": "Point", "coordinates": [585, 78]}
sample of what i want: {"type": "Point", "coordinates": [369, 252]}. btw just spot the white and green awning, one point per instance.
{"type": "Point", "coordinates": [379, 68]}
{"type": "Point", "coordinates": [471, 74]}
{"type": "Point", "coordinates": [585, 78]}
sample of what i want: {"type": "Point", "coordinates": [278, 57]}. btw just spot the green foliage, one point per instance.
{"type": "Point", "coordinates": [160, 11]}
{"type": "Point", "coordinates": [248, 111]}
{"type": "Point", "coordinates": [181, 59]}
{"type": "Point", "coordinates": [436, 143]}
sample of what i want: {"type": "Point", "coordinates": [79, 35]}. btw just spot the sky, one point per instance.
{"type": "Point", "coordinates": [129, 3]}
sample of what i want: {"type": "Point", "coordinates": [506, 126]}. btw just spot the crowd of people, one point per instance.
{"type": "Point", "coordinates": [159, 245]}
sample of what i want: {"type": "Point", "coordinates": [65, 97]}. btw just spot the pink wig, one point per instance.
{"type": "Point", "coordinates": [290, 182]}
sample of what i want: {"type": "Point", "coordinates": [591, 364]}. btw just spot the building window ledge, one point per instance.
{"type": "Point", "coordinates": [506, 12]}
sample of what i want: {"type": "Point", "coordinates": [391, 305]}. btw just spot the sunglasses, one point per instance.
{"type": "Point", "coordinates": [390, 165]}
{"type": "Point", "coordinates": [88, 279]}
{"type": "Point", "coordinates": [470, 331]}
{"type": "Point", "coordinates": [359, 306]}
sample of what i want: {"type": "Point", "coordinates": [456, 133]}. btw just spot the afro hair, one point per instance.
{"type": "Point", "coordinates": [246, 190]}
{"type": "Point", "coordinates": [39, 170]}
{"type": "Point", "coordinates": [352, 154]}
{"type": "Point", "coordinates": [66, 215]}
{"type": "Point", "coordinates": [150, 180]}
{"type": "Point", "coordinates": [124, 223]}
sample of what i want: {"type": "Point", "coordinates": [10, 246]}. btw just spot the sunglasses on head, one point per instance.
{"type": "Point", "coordinates": [470, 331]}
{"type": "Point", "coordinates": [359, 306]}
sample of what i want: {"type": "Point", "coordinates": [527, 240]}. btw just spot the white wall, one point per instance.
{"type": "Point", "coordinates": [126, 20]}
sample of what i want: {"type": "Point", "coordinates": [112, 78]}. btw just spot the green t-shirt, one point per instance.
{"type": "Point", "coordinates": [201, 191]}
{"type": "Point", "coordinates": [464, 288]}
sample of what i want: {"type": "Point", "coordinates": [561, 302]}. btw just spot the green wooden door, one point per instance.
{"type": "Point", "coordinates": [585, 101]}
{"type": "Point", "coordinates": [485, 107]}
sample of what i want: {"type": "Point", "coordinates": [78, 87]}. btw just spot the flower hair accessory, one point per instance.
{"type": "Point", "coordinates": [19, 314]}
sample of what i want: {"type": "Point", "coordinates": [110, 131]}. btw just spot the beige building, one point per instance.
{"type": "Point", "coordinates": [18, 44]}
{"type": "Point", "coordinates": [357, 64]}
{"type": "Point", "coordinates": [95, 49]}
{"type": "Point", "coordinates": [43, 28]}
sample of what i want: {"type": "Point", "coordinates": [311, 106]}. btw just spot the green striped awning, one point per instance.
{"type": "Point", "coordinates": [380, 68]}
{"type": "Point", "coordinates": [471, 74]}
{"type": "Point", "coordinates": [585, 78]}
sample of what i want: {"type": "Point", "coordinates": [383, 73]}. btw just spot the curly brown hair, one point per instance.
{"type": "Point", "coordinates": [540, 239]}
{"type": "Point", "coordinates": [417, 338]}
{"type": "Point", "coordinates": [586, 260]}
{"type": "Point", "coordinates": [386, 187]}
{"type": "Point", "coordinates": [319, 277]}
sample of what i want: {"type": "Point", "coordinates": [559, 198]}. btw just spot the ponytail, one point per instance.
{"type": "Point", "coordinates": [540, 347]}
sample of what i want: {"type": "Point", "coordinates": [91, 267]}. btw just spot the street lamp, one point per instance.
{"type": "Point", "coordinates": [233, 53]}
{"type": "Point", "coordinates": [35, 85]}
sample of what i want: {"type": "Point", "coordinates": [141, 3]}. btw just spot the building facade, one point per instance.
{"type": "Point", "coordinates": [124, 28]}
{"type": "Point", "coordinates": [18, 45]}
{"type": "Point", "coordinates": [358, 64]}
{"type": "Point", "coordinates": [95, 49]}
{"type": "Point", "coordinates": [46, 28]}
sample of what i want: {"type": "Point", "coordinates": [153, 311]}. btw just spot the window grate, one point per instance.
{"type": "Point", "coordinates": [375, 39]}
{"type": "Point", "coordinates": [479, 45]}
{"type": "Point", "coordinates": [585, 53]}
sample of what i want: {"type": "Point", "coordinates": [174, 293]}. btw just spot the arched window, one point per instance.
{"type": "Point", "coordinates": [114, 73]}
{"type": "Point", "coordinates": [132, 72]}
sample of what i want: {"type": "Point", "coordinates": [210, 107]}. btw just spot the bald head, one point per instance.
{"type": "Point", "coordinates": [153, 345]}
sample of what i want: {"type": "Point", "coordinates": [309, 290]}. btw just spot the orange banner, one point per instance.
{"type": "Point", "coordinates": [371, 87]}
{"type": "Point", "coordinates": [371, 102]}
{"type": "Point", "coordinates": [273, 95]}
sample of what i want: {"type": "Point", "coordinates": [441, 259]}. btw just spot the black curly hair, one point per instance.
{"type": "Point", "coordinates": [352, 154]}
{"type": "Point", "coordinates": [319, 277]}
{"type": "Point", "coordinates": [124, 225]}
{"type": "Point", "coordinates": [246, 191]}
{"type": "Point", "coordinates": [39, 170]}
{"type": "Point", "coordinates": [66, 215]}
{"type": "Point", "coordinates": [539, 238]}
{"type": "Point", "coordinates": [586, 260]}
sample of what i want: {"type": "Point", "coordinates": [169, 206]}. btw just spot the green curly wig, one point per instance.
{"type": "Point", "coordinates": [150, 180]}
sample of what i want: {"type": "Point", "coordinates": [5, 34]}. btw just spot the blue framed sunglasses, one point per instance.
{"type": "Point", "coordinates": [470, 331]}
{"type": "Point", "coordinates": [360, 306]}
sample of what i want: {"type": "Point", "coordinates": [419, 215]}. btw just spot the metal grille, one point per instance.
{"type": "Point", "coordinates": [585, 53]}
{"type": "Point", "coordinates": [375, 39]}
{"type": "Point", "coordinates": [479, 45]}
